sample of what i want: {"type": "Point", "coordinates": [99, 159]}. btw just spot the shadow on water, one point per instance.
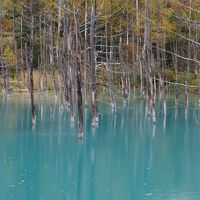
{"type": "Point", "coordinates": [125, 157]}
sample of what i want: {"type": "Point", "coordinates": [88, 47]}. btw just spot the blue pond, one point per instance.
{"type": "Point", "coordinates": [124, 158]}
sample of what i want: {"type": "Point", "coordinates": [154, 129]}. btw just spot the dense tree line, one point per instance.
{"type": "Point", "coordinates": [83, 46]}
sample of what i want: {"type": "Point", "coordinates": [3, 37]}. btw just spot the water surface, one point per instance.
{"type": "Point", "coordinates": [124, 158]}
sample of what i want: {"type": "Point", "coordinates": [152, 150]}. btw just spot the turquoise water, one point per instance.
{"type": "Point", "coordinates": [124, 158]}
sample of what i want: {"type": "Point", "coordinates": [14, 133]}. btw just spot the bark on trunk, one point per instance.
{"type": "Point", "coordinates": [93, 68]}
{"type": "Point", "coordinates": [59, 58]}
{"type": "Point", "coordinates": [78, 79]}
{"type": "Point", "coordinates": [51, 54]}
{"type": "Point", "coordinates": [31, 65]}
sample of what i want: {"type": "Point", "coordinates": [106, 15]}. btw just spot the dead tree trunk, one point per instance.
{"type": "Point", "coordinates": [110, 59]}
{"type": "Point", "coordinates": [78, 78]}
{"type": "Point", "coordinates": [59, 58]}
{"type": "Point", "coordinates": [189, 56]}
{"type": "Point", "coordinates": [176, 71]}
{"type": "Point", "coordinates": [41, 60]}
{"type": "Point", "coordinates": [1, 38]}
{"type": "Point", "coordinates": [70, 79]}
{"type": "Point", "coordinates": [65, 54]}
{"type": "Point", "coordinates": [128, 84]}
{"type": "Point", "coordinates": [86, 54]}
{"type": "Point", "coordinates": [51, 54]}
{"type": "Point", "coordinates": [158, 53]}
{"type": "Point", "coordinates": [138, 57]}
{"type": "Point", "coordinates": [15, 46]}
{"type": "Point", "coordinates": [112, 88]}
{"type": "Point", "coordinates": [27, 68]}
{"type": "Point", "coordinates": [23, 64]}
{"type": "Point", "coordinates": [31, 64]}
{"type": "Point", "coordinates": [93, 68]}
{"type": "Point", "coordinates": [123, 75]}
{"type": "Point", "coordinates": [147, 61]}
{"type": "Point", "coordinates": [133, 55]}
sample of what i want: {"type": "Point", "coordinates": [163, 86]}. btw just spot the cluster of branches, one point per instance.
{"type": "Point", "coordinates": [83, 46]}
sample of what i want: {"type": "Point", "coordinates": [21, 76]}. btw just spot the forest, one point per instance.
{"type": "Point", "coordinates": [78, 49]}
